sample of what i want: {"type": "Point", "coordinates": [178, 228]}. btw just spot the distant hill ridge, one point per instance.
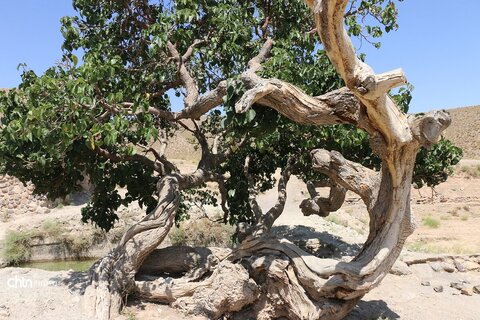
{"type": "Point", "coordinates": [464, 131]}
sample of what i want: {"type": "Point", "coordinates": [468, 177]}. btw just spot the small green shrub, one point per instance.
{"type": "Point", "coordinates": [431, 222]}
{"type": "Point", "coordinates": [80, 244]}
{"type": "Point", "coordinates": [97, 236]}
{"type": "Point", "coordinates": [129, 314]}
{"type": "Point", "coordinates": [115, 235]}
{"type": "Point", "coordinates": [177, 236]}
{"type": "Point", "coordinates": [17, 247]}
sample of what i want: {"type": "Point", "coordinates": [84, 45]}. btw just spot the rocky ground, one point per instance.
{"type": "Point", "coordinates": [438, 276]}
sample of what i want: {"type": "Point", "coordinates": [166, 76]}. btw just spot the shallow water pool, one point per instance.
{"type": "Point", "coordinates": [76, 265]}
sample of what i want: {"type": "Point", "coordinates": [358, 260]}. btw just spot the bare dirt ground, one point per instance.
{"type": "Point", "coordinates": [448, 224]}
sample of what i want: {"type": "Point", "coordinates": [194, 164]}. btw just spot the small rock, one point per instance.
{"type": "Point", "coordinates": [426, 283]}
{"type": "Point", "coordinates": [459, 265]}
{"type": "Point", "coordinates": [438, 289]}
{"type": "Point", "coordinates": [437, 267]}
{"type": "Point", "coordinates": [467, 291]}
{"type": "Point", "coordinates": [449, 267]}
{"type": "Point", "coordinates": [458, 285]}
{"type": "Point", "coordinates": [4, 311]}
{"type": "Point", "coordinates": [471, 266]}
{"type": "Point", "coordinates": [400, 268]}
{"type": "Point", "coordinates": [476, 289]}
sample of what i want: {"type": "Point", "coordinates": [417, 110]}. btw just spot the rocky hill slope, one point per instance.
{"type": "Point", "coordinates": [465, 130]}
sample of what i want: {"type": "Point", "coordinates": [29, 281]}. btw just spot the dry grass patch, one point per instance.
{"type": "Point", "coordinates": [203, 233]}
{"type": "Point", "coordinates": [437, 248]}
{"type": "Point", "coordinates": [470, 171]}
{"type": "Point", "coordinates": [334, 218]}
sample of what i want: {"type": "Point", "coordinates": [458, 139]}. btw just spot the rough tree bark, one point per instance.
{"type": "Point", "coordinates": [265, 277]}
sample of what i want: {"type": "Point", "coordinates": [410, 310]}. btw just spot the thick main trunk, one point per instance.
{"type": "Point", "coordinates": [112, 277]}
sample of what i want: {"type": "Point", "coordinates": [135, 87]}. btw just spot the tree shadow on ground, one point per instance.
{"type": "Point", "coordinates": [375, 309]}
{"type": "Point", "coordinates": [76, 281]}
{"type": "Point", "coordinates": [320, 244]}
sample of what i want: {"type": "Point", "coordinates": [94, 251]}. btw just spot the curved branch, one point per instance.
{"type": "Point", "coordinates": [368, 87]}
{"type": "Point", "coordinates": [187, 79]}
{"type": "Point", "coordinates": [188, 53]}
{"type": "Point", "coordinates": [323, 206]}
{"type": "Point", "coordinates": [168, 191]}
{"type": "Point", "coordinates": [202, 105]}
{"type": "Point", "coordinates": [427, 128]}
{"type": "Point", "coordinates": [255, 64]}
{"type": "Point", "coordinates": [339, 106]}
{"type": "Point", "coordinates": [252, 190]}
{"type": "Point", "coordinates": [162, 167]}
{"type": "Point", "coordinates": [348, 174]}
{"type": "Point", "coordinates": [266, 221]}
{"type": "Point", "coordinates": [197, 106]}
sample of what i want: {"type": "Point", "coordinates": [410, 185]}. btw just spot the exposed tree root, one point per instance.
{"type": "Point", "coordinates": [264, 279]}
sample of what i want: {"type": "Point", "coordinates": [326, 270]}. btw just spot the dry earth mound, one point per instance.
{"type": "Point", "coordinates": [464, 130]}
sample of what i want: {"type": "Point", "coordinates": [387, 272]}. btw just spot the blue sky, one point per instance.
{"type": "Point", "coordinates": [437, 45]}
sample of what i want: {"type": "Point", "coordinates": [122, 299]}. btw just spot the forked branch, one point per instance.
{"type": "Point", "coordinates": [370, 88]}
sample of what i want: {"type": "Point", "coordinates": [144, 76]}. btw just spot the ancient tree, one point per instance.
{"type": "Point", "coordinates": [279, 77]}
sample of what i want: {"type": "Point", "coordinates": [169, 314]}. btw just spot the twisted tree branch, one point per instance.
{"type": "Point", "coordinates": [348, 174]}
{"type": "Point", "coordinates": [190, 85]}
{"type": "Point", "coordinates": [323, 206]}
{"type": "Point", "coordinates": [370, 88]}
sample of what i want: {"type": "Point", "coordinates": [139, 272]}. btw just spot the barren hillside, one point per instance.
{"type": "Point", "coordinates": [465, 130]}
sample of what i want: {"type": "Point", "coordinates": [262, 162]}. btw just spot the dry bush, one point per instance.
{"type": "Point", "coordinates": [470, 171]}
{"type": "Point", "coordinates": [202, 232]}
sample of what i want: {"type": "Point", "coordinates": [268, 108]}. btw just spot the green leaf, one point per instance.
{"type": "Point", "coordinates": [250, 115]}
{"type": "Point", "coordinates": [74, 59]}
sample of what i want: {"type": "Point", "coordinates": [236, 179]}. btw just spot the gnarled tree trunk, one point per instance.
{"type": "Point", "coordinates": [265, 277]}
{"type": "Point", "coordinates": [112, 277]}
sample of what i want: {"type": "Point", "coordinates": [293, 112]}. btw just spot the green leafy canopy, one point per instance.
{"type": "Point", "coordinates": [88, 117]}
